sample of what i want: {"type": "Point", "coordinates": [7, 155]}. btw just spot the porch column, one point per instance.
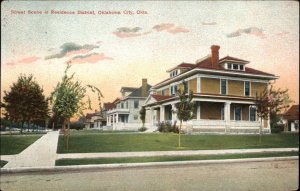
{"type": "Point", "coordinates": [151, 115]}
{"type": "Point", "coordinates": [227, 111]}
{"type": "Point", "coordinates": [198, 111]}
{"type": "Point", "coordinates": [227, 115]}
{"type": "Point", "coordinates": [162, 113]}
{"type": "Point", "coordinates": [117, 118]}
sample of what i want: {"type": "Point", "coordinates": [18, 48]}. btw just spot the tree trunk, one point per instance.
{"type": "Point", "coordinates": [65, 135]}
{"type": "Point", "coordinates": [260, 130]}
{"type": "Point", "coordinates": [179, 141]}
{"type": "Point", "coordinates": [68, 134]}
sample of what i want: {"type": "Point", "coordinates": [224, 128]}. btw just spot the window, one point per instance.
{"type": "Point", "coordinates": [237, 113]}
{"type": "Point", "coordinates": [252, 113]}
{"type": "Point", "coordinates": [247, 88]}
{"type": "Point", "coordinates": [229, 66]}
{"type": "Point", "coordinates": [174, 89]}
{"type": "Point", "coordinates": [235, 66]}
{"type": "Point", "coordinates": [223, 86]}
{"type": "Point", "coordinates": [122, 105]}
{"type": "Point", "coordinates": [163, 92]}
{"type": "Point", "coordinates": [186, 86]}
{"type": "Point", "coordinates": [174, 73]}
{"type": "Point", "coordinates": [241, 67]}
{"type": "Point", "coordinates": [136, 104]}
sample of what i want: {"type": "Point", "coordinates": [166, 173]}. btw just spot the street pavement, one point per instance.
{"type": "Point", "coordinates": [239, 176]}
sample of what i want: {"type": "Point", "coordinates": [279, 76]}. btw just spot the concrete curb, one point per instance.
{"type": "Point", "coordinates": [137, 165]}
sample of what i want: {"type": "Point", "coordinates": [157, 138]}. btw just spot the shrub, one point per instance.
{"type": "Point", "coordinates": [277, 128]}
{"type": "Point", "coordinates": [166, 126]}
{"type": "Point", "coordinates": [142, 129]}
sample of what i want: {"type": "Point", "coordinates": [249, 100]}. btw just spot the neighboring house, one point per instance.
{"type": "Point", "coordinates": [93, 120]}
{"type": "Point", "coordinates": [124, 114]}
{"type": "Point", "coordinates": [292, 118]}
{"type": "Point", "coordinates": [224, 95]}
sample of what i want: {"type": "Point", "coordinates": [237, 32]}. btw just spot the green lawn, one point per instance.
{"type": "Point", "coordinates": [14, 144]}
{"type": "Point", "coordinates": [64, 162]}
{"type": "Point", "coordinates": [126, 142]}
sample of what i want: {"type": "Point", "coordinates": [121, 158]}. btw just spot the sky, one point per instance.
{"type": "Point", "coordinates": [143, 41]}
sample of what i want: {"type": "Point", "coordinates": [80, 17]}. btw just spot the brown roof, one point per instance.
{"type": "Point", "coordinates": [206, 64]}
{"type": "Point", "coordinates": [89, 115]}
{"type": "Point", "coordinates": [233, 59]}
{"type": "Point", "coordinates": [161, 97]}
{"type": "Point", "coordinates": [292, 113]}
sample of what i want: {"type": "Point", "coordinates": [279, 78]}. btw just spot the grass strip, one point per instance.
{"type": "Point", "coordinates": [14, 144]}
{"type": "Point", "coordinates": [2, 163]}
{"type": "Point", "coordinates": [127, 142]}
{"type": "Point", "coordinates": [65, 162]}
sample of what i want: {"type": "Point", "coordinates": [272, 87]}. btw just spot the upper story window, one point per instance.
{"type": "Point", "coordinates": [174, 73]}
{"type": "Point", "coordinates": [223, 86]}
{"type": "Point", "coordinates": [247, 88]}
{"type": "Point", "coordinates": [136, 104]}
{"type": "Point", "coordinates": [163, 92]}
{"type": "Point", "coordinates": [122, 105]}
{"type": "Point", "coordinates": [174, 89]}
{"type": "Point", "coordinates": [186, 86]}
{"type": "Point", "coordinates": [234, 66]}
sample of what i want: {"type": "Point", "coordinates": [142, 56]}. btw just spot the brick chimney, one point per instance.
{"type": "Point", "coordinates": [215, 56]}
{"type": "Point", "coordinates": [144, 88]}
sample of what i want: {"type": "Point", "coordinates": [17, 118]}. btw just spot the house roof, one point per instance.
{"type": "Point", "coordinates": [292, 113]}
{"type": "Point", "coordinates": [109, 105]}
{"type": "Point", "coordinates": [206, 64]}
{"type": "Point", "coordinates": [89, 115]}
{"type": "Point", "coordinates": [138, 92]}
{"type": "Point", "coordinates": [161, 97]}
{"type": "Point", "coordinates": [182, 65]}
{"type": "Point", "coordinates": [128, 89]}
{"type": "Point", "coordinates": [230, 58]}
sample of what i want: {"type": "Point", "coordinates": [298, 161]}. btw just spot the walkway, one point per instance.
{"type": "Point", "coordinates": [41, 153]}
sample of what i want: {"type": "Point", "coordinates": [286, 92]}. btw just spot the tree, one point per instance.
{"type": "Point", "coordinates": [25, 102]}
{"type": "Point", "coordinates": [67, 100]}
{"type": "Point", "coordinates": [184, 108]}
{"type": "Point", "coordinates": [143, 115]}
{"type": "Point", "coordinates": [270, 102]}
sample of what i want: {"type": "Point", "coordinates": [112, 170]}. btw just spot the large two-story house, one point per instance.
{"type": "Point", "coordinates": [125, 113]}
{"type": "Point", "coordinates": [224, 92]}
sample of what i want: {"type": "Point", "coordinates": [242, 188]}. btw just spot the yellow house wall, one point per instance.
{"type": "Point", "coordinates": [193, 85]}
{"type": "Point", "coordinates": [210, 85]}
{"type": "Point", "coordinates": [257, 87]}
{"type": "Point", "coordinates": [235, 87]}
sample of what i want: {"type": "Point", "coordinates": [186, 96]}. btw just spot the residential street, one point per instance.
{"type": "Point", "coordinates": [276, 175]}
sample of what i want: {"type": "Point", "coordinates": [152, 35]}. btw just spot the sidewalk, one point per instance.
{"type": "Point", "coordinates": [172, 153]}
{"type": "Point", "coordinates": [41, 153]}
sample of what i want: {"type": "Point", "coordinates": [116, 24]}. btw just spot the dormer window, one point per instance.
{"type": "Point", "coordinates": [234, 66]}
{"type": "Point", "coordinates": [174, 73]}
